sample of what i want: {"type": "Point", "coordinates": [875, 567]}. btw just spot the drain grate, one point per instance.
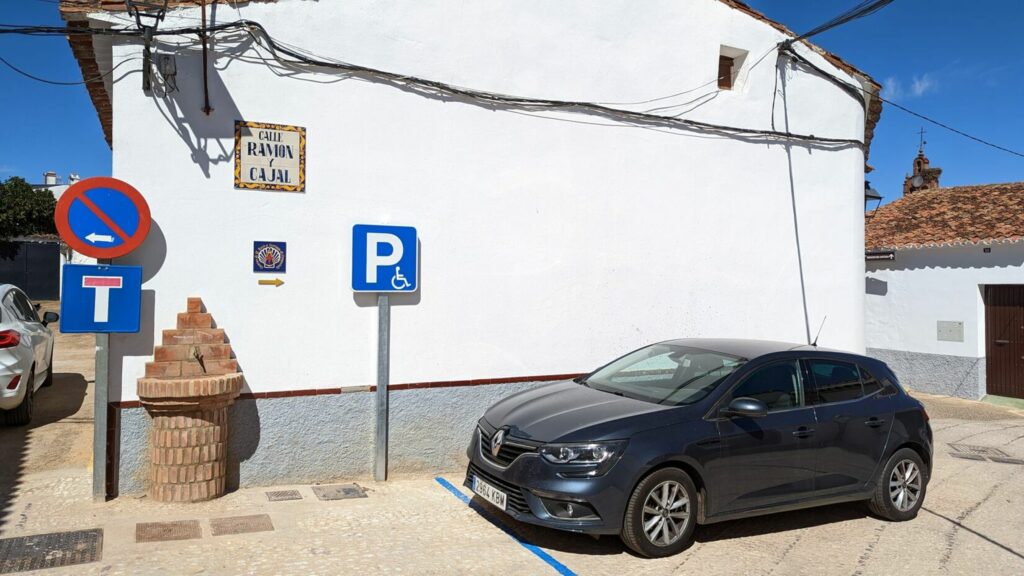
{"type": "Point", "coordinates": [241, 524]}
{"type": "Point", "coordinates": [282, 495]}
{"type": "Point", "coordinates": [165, 531]}
{"type": "Point", "coordinates": [967, 456]}
{"type": "Point", "coordinates": [338, 492]}
{"type": "Point", "coordinates": [1001, 460]}
{"type": "Point", "coordinates": [979, 450]}
{"type": "Point", "coordinates": [50, 550]}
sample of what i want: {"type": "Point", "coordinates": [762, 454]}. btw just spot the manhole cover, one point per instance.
{"type": "Point", "coordinates": [241, 524]}
{"type": "Point", "coordinates": [1006, 460]}
{"type": "Point", "coordinates": [338, 492]}
{"type": "Point", "coordinates": [50, 550]}
{"type": "Point", "coordinates": [282, 495]}
{"type": "Point", "coordinates": [967, 456]}
{"type": "Point", "coordinates": [979, 450]}
{"type": "Point", "coordinates": [164, 531]}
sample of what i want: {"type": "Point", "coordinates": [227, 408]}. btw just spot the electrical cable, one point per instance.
{"type": "Point", "coordinates": [445, 89]}
{"type": "Point", "coordinates": [865, 8]}
{"type": "Point", "coordinates": [61, 83]}
{"type": "Point", "coordinates": [493, 98]}
{"type": "Point", "coordinates": [437, 88]}
{"type": "Point", "coordinates": [851, 88]}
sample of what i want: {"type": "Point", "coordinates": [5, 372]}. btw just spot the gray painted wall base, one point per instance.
{"type": "Point", "coordinates": [959, 376]}
{"type": "Point", "coordinates": [322, 438]}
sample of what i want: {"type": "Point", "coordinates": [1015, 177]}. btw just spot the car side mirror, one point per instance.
{"type": "Point", "coordinates": [745, 408]}
{"type": "Point", "coordinates": [49, 317]}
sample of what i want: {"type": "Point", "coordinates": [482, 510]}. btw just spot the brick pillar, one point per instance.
{"type": "Point", "coordinates": [187, 390]}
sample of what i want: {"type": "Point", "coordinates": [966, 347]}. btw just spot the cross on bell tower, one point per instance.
{"type": "Point", "coordinates": [923, 177]}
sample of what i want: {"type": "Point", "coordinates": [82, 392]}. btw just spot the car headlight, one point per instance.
{"type": "Point", "coordinates": [592, 458]}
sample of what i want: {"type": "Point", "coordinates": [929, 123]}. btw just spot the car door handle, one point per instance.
{"type": "Point", "coordinates": [874, 422]}
{"type": "Point", "coordinates": [803, 432]}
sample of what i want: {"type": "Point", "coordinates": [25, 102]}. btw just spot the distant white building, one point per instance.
{"type": "Point", "coordinates": [55, 184]}
{"type": "Point", "coordinates": [554, 238]}
{"type": "Point", "coordinates": [945, 286]}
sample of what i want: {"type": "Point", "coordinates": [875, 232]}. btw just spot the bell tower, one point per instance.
{"type": "Point", "coordinates": [923, 177]}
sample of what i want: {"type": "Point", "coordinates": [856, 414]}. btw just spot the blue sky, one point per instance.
{"type": "Point", "coordinates": [957, 62]}
{"type": "Point", "coordinates": [954, 61]}
{"type": "Point", "coordinates": [45, 127]}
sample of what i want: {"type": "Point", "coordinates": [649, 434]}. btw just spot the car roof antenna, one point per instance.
{"type": "Point", "coordinates": [815, 343]}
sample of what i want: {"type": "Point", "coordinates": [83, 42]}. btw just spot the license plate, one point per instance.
{"type": "Point", "coordinates": [489, 493]}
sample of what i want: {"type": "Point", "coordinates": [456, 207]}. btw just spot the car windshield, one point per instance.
{"type": "Point", "coordinates": [665, 374]}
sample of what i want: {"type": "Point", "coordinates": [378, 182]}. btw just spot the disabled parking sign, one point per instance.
{"type": "Point", "coordinates": [384, 258]}
{"type": "Point", "coordinates": [100, 298]}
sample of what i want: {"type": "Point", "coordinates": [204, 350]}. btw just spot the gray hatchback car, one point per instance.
{"type": "Point", "coordinates": [697, 431]}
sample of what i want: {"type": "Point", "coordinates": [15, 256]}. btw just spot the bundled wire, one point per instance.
{"type": "Point", "coordinates": [865, 8]}
{"type": "Point", "coordinates": [300, 57]}
{"type": "Point", "coordinates": [498, 100]}
{"type": "Point", "coordinates": [294, 57]}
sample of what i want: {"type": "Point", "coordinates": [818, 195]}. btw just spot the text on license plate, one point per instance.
{"type": "Point", "coordinates": [489, 493]}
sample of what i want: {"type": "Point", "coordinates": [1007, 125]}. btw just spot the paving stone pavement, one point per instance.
{"type": "Point", "coordinates": [972, 522]}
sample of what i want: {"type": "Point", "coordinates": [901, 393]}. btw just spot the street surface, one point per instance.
{"type": "Point", "coordinates": [972, 521]}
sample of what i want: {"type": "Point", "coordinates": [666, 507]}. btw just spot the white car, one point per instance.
{"type": "Point", "coordinates": [26, 354]}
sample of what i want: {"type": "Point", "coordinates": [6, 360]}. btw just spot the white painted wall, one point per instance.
{"type": "Point", "coordinates": [924, 286]}
{"type": "Point", "coordinates": [550, 243]}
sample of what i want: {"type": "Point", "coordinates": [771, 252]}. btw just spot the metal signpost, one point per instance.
{"type": "Point", "coordinates": [379, 256]}
{"type": "Point", "coordinates": [103, 218]}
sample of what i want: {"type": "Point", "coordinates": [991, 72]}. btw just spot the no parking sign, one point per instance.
{"type": "Point", "coordinates": [102, 217]}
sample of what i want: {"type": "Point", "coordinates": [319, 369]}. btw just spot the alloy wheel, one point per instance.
{"type": "Point", "coordinates": [666, 513]}
{"type": "Point", "coordinates": [905, 485]}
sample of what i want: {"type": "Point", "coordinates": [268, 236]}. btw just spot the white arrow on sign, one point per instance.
{"type": "Point", "coordinates": [94, 238]}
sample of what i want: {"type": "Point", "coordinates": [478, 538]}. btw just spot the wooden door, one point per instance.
{"type": "Point", "coordinates": [1004, 340]}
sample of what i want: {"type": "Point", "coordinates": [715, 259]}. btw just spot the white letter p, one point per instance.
{"type": "Point", "coordinates": [374, 259]}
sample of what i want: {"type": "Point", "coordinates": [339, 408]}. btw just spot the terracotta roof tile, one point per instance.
{"type": "Point", "coordinates": [961, 215]}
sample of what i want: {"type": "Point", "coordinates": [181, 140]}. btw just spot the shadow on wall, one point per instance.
{"type": "Point", "coordinates": [243, 438]}
{"type": "Point", "coordinates": [876, 287]}
{"type": "Point", "coordinates": [151, 256]}
{"type": "Point", "coordinates": [209, 137]}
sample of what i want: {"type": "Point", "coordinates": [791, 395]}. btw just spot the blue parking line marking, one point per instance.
{"type": "Point", "coordinates": [558, 566]}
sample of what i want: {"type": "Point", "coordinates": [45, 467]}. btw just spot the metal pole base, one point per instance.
{"type": "Point", "coordinates": [380, 460]}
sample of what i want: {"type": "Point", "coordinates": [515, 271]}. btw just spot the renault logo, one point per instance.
{"type": "Point", "coordinates": [496, 442]}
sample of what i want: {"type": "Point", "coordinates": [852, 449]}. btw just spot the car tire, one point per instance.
{"type": "Point", "coordinates": [49, 371]}
{"type": "Point", "coordinates": [900, 488]}
{"type": "Point", "coordinates": [22, 415]}
{"type": "Point", "coordinates": [647, 507]}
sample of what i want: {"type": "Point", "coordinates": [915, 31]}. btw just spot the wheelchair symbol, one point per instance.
{"type": "Point", "coordinates": [399, 282]}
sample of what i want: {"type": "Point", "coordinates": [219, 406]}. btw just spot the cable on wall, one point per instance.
{"type": "Point", "coordinates": [294, 57]}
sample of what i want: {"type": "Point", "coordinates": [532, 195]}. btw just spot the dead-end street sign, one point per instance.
{"type": "Point", "coordinates": [102, 217]}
